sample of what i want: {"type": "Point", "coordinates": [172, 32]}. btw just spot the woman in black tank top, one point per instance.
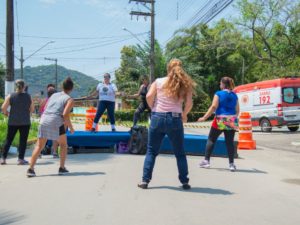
{"type": "Point", "coordinates": [18, 120]}
{"type": "Point", "coordinates": [142, 94]}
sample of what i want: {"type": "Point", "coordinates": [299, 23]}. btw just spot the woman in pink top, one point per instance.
{"type": "Point", "coordinates": [165, 98]}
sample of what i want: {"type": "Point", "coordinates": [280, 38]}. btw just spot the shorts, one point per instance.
{"type": "Point", "coordinates": [62, 130]}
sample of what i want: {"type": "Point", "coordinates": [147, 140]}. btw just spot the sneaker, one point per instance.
{"type": "Point", "coordinates": [30, 173]}
{"type": "Point", "coordinates": [22, 162]}
{"type": "Point", "coordinates": [186, 186]}
{"type": "Point", "coordinates": [232, 167]}
{"type": "Point", "coordinates": [204, 164]}
{"type": "Point", "coordinates": [62, 171]}
{"type": "Point", "coordinates": [55, 156]}
{"type": "Point", "coordinates": [93, 130]}
{"type": "Point", "coordinates": [143, 185]}
{"type": "Point", "coordinates": [113, 129]}
{"type": "Point", "coordinates": [3, 162]}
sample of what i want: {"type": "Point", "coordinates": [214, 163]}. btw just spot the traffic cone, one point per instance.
{"type": "Point", "coordinates": [89, 118]}
{"type": "Point", "coordinates": [245, 141]}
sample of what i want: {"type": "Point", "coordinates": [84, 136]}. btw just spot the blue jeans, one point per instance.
{"type": "Point", "coordinates": [102, 106]}
{"type": "Point", "coordinates": [165, 124]}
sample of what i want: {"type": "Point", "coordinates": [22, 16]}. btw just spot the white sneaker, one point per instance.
{"type": "Point", "coordinates": [232, 167]}
{"type": "Point", "coordinates": [204, 164]}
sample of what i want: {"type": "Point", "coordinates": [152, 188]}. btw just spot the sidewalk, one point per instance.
{"type": "Point", "coordinates": [101, 189]}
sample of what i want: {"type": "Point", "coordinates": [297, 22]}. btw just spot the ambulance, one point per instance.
{"type": "Point", "coordinates": [272, 103]}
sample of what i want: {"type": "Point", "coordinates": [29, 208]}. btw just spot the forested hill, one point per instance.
{"type": "Point", "coordinates": [38, 77]}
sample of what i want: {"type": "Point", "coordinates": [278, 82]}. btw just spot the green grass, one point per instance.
{"type": "Point", "coordinates": [3, 130]}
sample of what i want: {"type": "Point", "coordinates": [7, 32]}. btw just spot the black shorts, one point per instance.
{"type": "Point", "coordinates": [62, 130]}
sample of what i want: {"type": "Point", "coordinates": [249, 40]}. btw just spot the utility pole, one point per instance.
{"type": "Point", "coordinates": [9, 79]}
{"type": "Point", "coordinates": [152, 44]}
{"type": "Point", "coordinates": [55, 60]}
{"type": "Point", "coordinates": [21, 62]}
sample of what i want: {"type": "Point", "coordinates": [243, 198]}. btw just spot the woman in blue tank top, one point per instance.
{"type": "Point", "coordinates": [226, 107]}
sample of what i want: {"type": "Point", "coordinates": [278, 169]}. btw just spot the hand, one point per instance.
{"type": "Point", "coordinates": [201, 119]}
{"type": "Point", "coordinates": [72, 130]}
{"type": "Point", "coordinates": [184, 118]}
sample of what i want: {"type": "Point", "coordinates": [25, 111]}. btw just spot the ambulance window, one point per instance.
{"type": "Point", "coordinates": [288, 95]}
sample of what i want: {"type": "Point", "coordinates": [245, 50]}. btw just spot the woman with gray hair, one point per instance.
{"type": "Point", "coordinates": [21, 107]}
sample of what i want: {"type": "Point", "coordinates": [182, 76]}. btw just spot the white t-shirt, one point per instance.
{"type": "Point", "coordinates": [107, 92]}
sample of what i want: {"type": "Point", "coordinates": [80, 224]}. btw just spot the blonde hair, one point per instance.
{"type": "Point", "coordinates": [20, 84]}
{"type": "Point", "coordinates": [228, 82]}
{"type": "Point", "coordinates": [179, 83]}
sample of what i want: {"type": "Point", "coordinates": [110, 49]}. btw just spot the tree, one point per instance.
{"type": "Point", "coordinates": [210, 53]}
{"type": "Point", "coordinates": [135, 63]}
{"type": "Point", "coordinates": [273, 26]}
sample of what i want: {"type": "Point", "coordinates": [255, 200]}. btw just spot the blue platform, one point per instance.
{"type": "Point", "coordinates": [99, 139]}
{"type": "Point", "coordinates": [193, 144]}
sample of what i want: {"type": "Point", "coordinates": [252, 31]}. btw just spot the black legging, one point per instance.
{"type": "Point", "coordinates": [141, 108]}
{"type": "Point", "coordinates": [11, 133]}
{"type": "Point", "coordinates": [212, 138]}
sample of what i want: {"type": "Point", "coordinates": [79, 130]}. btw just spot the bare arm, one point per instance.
{"type": "Point", "coordinates": [237, 108]}
{"type": "Point", "coordinates": [31, 109]}
{"type": "Point", "coordinates": [5, 105]}
{"type": "Point", "coordinates": [151, 95]}
{"type": "Point", "coordinates": [188, 105]}
{"type": "Point", "coordinates": [211, 109]}
{"type": "Point", "coordinates": [137, 94]}
{"type": "Point", "coordinates": [66, 114]}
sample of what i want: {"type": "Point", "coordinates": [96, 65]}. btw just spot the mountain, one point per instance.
{"type": "Point", "coordinates": [37, 79]}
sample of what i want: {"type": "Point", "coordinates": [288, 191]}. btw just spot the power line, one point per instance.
{"type": "Point", "coordinates": [213, 11]}
{"type": "Point", "coordinates": [199, 17]}
{"type": "Point", "coordinates": [111, 25]}
{"type": "Point", "coordinates": [92, 47]}
{"type": "Point", "coordinates": [94, 43]}
{"type": "Point", "coordinates": [73, 38]}
{"type": "Point", "coordinates": [190, 21]}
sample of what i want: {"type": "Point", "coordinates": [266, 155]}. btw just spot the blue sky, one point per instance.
{"type": "Point", "coordinates": [88, 34]}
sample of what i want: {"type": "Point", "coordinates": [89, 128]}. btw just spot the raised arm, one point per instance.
{"type": "Point", "coordinates": [137, 94]}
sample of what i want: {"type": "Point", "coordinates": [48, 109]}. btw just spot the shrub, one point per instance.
{"type": "Point", "coordinates": [127, 115]}
{"type": "Point", "coordinates": [3, 130]}
{"type": "Point", "coordinates": [1, 102]}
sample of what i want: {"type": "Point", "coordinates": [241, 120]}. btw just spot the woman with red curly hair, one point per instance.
{"type": "Point", "coordinates": [165, 98]}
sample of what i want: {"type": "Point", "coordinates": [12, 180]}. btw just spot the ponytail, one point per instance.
{"type": "Point", "coordinates": [20, 84]}
{"type": "Point", "coordinates": [228, 83]}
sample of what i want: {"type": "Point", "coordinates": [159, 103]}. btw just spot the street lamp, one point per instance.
{"type": "Point", "coordinates": [134, 35]}
{"type": "Point", "coordinates": [22, 60]}
{"type": "Point", "coordinates": [151, 56]}
{"type": "Point", "coordinates": [55, 60]}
